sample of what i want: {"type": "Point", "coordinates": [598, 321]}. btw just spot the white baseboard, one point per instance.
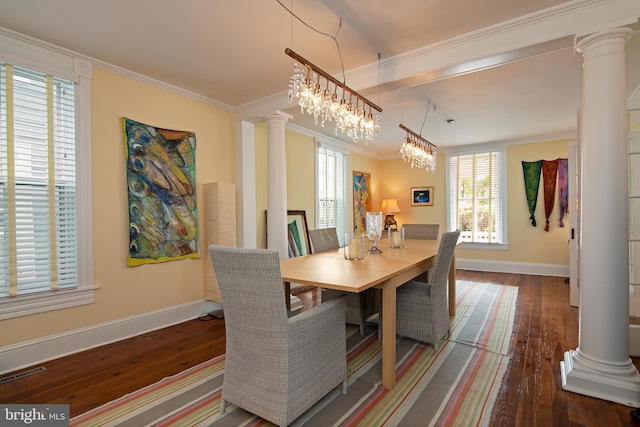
{"type": "Point", "coordinates": [513, 267]}
{"type": "Point", "coordinates": [28, 353]}
{"type": "Point", "coordinates": [634, 340]}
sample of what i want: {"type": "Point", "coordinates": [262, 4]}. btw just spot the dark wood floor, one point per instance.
{"type": "Point", "coordinates": [531, 395]}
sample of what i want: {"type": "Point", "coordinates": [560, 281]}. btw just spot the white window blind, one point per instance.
{"type": "Point", "coordinates": [46, 236]}
{"type": "Point", "coordinates": [476, 197]}
{"type": "Point", "coordinates": [331, 189]}
{"type": "Point", "coordinates": [37, 181]}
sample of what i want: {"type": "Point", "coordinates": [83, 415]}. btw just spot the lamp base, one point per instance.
{"type": "Point", "coordinates": [390, 221]}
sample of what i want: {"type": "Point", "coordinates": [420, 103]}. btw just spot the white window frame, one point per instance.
{"type": "Point", "coordinates": [29, 53]}
{"type": "Point", "coordinates": [341, 223]}
{"type": "Point", "coordinates": [451, 193]}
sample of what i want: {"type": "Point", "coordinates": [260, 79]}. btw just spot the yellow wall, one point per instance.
{"type": "Point", "coordinates": [361, 163]}
{"type": "Point", "coordinates": [126, 291]}
{"type": "Point", "coordinates": [395, 178]}
{"type": "Point", "coordinates": [301, 172]}
{"type": "Point", "coordinates": [301, 184]}
{"type": "Point", "coordinates": [399, 177]}
{"type": "Point", "coordinates": [527, 244]}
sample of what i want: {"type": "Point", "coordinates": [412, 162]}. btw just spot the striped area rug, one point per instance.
{"type": "Point", "coordinates": [458, 386]}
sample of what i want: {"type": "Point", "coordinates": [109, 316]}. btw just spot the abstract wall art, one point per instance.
{"type": "Point", "coordinates": [161, 182]}
{"type": "Point", "coordinates": [361, 201]}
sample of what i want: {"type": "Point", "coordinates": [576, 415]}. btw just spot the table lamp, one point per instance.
{"type": "Point", "coordinates": [389, 207]}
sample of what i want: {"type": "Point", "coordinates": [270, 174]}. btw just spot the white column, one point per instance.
{"type": "Point", "coordinates": [246, 177]}
{"type": "Point", "coordinates": [600, 366]}
{"type": "Point", "coordinates": [277, 183]}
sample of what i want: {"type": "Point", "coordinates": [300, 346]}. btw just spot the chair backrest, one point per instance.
{"type": "Point", "coordinates": [324, 239]}
{"type": "Point", "coordinates": [440, 271]}
{"type": "Point", "coordinates": [252, 294]}
{"type": "Point", "coordinates": [421, 231]}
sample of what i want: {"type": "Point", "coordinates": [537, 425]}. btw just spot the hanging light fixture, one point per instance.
{"type": "Point", "coordinates": [328, 99]}
{"type": "Point", "coordinates": [416, 150]}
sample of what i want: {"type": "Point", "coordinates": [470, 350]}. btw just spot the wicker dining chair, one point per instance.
{"type": "Point", "coordinates": [360, 306]}
{"type": "Point", "coordinates": [276, 366]}
{"type": "Point", "coordinates": [422, 312]}
{"type": "Point", "coordinates": [421, 232]}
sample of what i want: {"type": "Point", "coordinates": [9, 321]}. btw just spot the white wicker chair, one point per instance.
{"type": "Point", "coordinates": [422, 312]}
{"type": "Point", "coordinates": [276, 366]}
{"type": "Point", "coordinates": [360, 306]}
{"type": "Point", "coordinates": [421, 232]}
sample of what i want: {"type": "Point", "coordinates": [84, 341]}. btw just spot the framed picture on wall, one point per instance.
{"type": "Point", "coordinates": [421, 196]}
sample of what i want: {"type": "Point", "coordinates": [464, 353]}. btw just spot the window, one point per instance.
{"type": "Point", "coordinates": [476, 196]}
{"type": "Point", "coordinates": [45, 182]}
{"type": "Point", "coordinates": [331, 175]}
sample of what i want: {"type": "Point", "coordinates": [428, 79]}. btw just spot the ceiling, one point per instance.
{"type": "Point", "coordinates": [495, 70]}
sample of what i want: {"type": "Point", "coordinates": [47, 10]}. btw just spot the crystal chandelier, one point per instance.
{"type": "Point", "coordinates": [417, 151]}
{"type": "Point", "coordinates": [327, 99]}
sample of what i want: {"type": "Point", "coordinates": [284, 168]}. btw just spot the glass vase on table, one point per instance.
{"type": "Point", "coordinates": [374, 231]}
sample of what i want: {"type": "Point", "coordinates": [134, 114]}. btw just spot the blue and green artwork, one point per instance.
{"type": "Point", "coordinates": [161, 178]}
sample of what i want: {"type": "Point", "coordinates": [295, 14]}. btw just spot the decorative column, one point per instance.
{"type": "Point", "coordinates": [277, 183]}
{"type": "Point", "coordinates": [246, 178]}
{"type": "Point", "coordinates": [600, 366]}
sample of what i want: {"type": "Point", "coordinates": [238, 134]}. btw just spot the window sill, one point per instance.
{"type": "Point", "coordinates": [26, 305]}
{"type": "Point", "coordinates": [485, 246]}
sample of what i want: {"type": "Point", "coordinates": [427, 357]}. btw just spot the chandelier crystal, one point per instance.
{"type": "Point", "coordinates": [327, 99]}
{"type": "Point", "coordinates": [417, 151]}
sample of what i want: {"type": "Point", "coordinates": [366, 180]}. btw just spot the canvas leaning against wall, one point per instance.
{"type": "Point", "coordinates": [161, 182]}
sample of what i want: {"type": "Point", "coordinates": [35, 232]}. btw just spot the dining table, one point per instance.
{"type": "Point", "coordinates": [386, 271]}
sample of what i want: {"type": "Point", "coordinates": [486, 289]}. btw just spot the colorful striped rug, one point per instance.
{"type": "Point", "coordinates": [458, 386]}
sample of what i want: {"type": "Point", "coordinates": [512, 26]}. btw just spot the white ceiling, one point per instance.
{"type": "Point", "coordinates": [503, 70]}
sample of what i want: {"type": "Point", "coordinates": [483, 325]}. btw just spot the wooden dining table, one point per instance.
{"type": "Point", "coordinates": [385, 271]}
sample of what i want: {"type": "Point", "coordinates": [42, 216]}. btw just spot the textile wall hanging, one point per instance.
{"type": "Point", "coordinates": [531, 172]}
{"type": "Point", "coordinates": [563, 188]}
{"type": "Point", "coordinates": [361, 201]}
{"type": "Point", "coordinates": [554, 175]}
{"type": "Point", "coordinates": [161, 178]}
{"type": "Point", "coordinates": [549, 177]}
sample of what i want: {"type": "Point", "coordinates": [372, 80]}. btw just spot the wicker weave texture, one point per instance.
{"type": "Point", "coordinates": [324, 239]}
{"type": "Point", "coordinates": [422, 311]}
{"type": "Point", "coordinates": [276, 367]}
{"type": "Point", "coordinates": [421, 231]}
{"type": "Point", "coordinates": [360, 306]}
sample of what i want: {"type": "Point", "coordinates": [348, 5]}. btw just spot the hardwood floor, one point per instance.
{"type": "Point", "coordinates": [531, 394]}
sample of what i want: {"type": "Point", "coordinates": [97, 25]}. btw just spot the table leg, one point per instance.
{"type": "Point", "coordinates": [452, 287]}
{"type": "Point", "coordinates": [388, 336]}
{"type": "Point", "coordinates": [287, 294]}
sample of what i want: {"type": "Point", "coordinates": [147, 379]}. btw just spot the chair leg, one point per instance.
{"type": "Point", "coordinates": [361, 328]}
{"type": "Point", "coordinates": [223, 405]}
{"type": "Point", "coordinates": [344, 386]}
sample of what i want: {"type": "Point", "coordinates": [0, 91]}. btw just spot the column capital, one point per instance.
{"type": "Point", "coordinates": [277, 114]}
{"type": "Point", "coordinates": [623, 33]}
